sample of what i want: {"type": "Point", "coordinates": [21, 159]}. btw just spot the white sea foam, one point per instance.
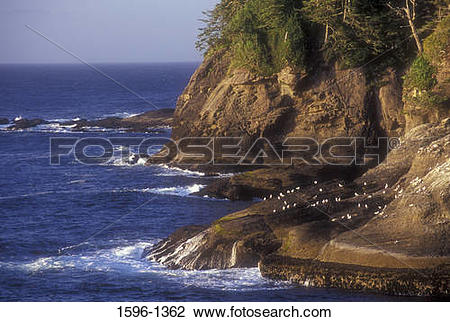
{"type": "Point", "coordinates": [171, 171]}
{"type": "Point", "coordinates": [77, 181]}
{"type": "Point", "coordinates": [56, 126]}
{"type": "Point", "coordinates": [132, 161]}
{"type": "Point", "coordinates": [53, 128]}
{"type": "Point", "coordinates": [120, 115]}
{"type": "Point", "coordinates": [102, 129]}
{"type": "Point", "coordinates": [4, 127]}
{"type": "Point", "coordinates": [168, 171]}
{"type": "Point", "coordinates": [59, 120]}
{"type": "Point", "coordinates": [175, 191]}
{"type": "Point", "coordinates": [126, 260]}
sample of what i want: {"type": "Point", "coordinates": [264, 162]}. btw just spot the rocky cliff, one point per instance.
{"type": "Point", "coordinates": [383, 226]}
{"type": "Point", "coordinates": [325, 103]}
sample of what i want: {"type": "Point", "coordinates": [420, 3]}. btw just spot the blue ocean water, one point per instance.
{"type": "Point", "coordinates": [53, 245]}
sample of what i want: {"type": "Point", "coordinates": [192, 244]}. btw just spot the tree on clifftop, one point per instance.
{"type": "Point", "coordinates": [409, 12]}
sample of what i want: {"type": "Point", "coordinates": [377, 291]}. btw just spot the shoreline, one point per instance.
{"type": "Point", "coordinates": [387, 281]}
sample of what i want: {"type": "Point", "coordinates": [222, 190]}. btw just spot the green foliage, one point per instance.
{"type": "Point", "coordinates": [211, 36]}
{"type": "Point", "coordinates": [427, 100]}
{"type": "Point", "coordinates": [438, 42]}
{"type": "Point", "coordinates": [420, 82]}
{"type": "Point", "coordinates": [421, 75]}
{"type": "Point", "coordinates": [264, 36]}
{"type": "Point", "coordinates": [359, 31]}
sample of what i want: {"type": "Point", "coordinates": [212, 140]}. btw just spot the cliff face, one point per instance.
{"type": "Point", "coordinates": [327, 103]}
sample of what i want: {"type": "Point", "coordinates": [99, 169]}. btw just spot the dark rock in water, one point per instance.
{"type": "Point", "coordinates": [139, 123]}
{"type": "Point", "coordinates": [23, 124]}
{"type": "Point", "coordinates": [146, 122]}
{"type": "Point", "coordinates": [312, 273]}
{"type": "Point", "coordinates": [395, 216]}
{"type": "Point", "coordinates": [4, 121]}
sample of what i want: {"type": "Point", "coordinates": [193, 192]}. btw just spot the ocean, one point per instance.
{"type": "Point", "coordinates": [76, 232]}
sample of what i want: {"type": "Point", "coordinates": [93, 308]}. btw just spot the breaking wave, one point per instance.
{"type": "Point", "coordinates": [126, 260]}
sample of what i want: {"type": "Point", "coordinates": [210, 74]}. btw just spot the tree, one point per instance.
{"type": "Point", "coordinates": [212, 34]}
{"type": "Point", "coordinates": [323, 12]}
{"type": "Point", "coordinates": [409, 12]}
{"type": "Point", "coordinates": [346, 5]}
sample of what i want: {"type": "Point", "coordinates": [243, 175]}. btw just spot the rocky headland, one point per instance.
{"type": "Point", "coordinates": [381, 226]}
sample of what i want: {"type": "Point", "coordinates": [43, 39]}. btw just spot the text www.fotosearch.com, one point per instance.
{"type": "Point", "coordinates": [243, 312]}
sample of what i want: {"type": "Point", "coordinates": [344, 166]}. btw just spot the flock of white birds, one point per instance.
{"type": "Point", "coordinates": [285, 206]}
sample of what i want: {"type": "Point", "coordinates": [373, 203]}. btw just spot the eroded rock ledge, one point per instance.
{"type": "Point", "coordinates": [312, 273]}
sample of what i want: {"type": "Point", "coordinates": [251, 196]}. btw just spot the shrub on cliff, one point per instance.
{"type": "Point", "coordinates": [420, 80]}
{"type": "Point", "coordinates": [266, 35]}
{"type": "Point", "coordinates": [436, 45]}
{"type": "Point", "coordinates": [421, 75]}
{"type": "Point", "coordinates": [263, 36]}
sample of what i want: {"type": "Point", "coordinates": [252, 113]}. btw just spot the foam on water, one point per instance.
{"type": "Point", "coordinates": [132, 161]}
{"type": "Point", "coordinates": [126, 260]}
{"type": "Point", "coordinates": [175, 191]}
{"type": "Point", "coordinates": [4, 127]}
{"type": "Point", "coordinates": [168, 171]}
{"type": "Point", "coordinates": [54, 128]}
{"type": "Point", "coordinates": [121, 115]}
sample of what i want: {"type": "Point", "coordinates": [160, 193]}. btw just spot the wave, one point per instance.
{"type": "Point", "coordinates": [56, 127]}
{"type": "Point", "coordinates": [182, 191]}
{"type": "Point", "coordinates": [125, 259]}
{"type": "Point", "coordinates": [174, 191]}
{"type": "Point", "coordinates": [170, 171]}
{"type": "Point", "coordinates": [4, 127]}
{"type": "Point", "coordinates": [132, 161]}
{"type": "Point", "coordinates": [53, 128]}
{"type": "Point", "coordinates": [120, 115]}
